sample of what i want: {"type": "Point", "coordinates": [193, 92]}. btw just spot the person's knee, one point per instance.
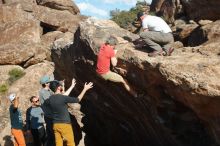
{"type": "Point", "coordinates": [144, 35]}
{"type": "Point", "coordinates": [121, 79]}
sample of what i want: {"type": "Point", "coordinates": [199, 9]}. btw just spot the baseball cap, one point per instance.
{"type": "Point", "coordinates": [45, 79]}
{"type": "Point", "coordinates": [12, 96]}
{"type": "Point", "coordinates": [54, 85]}
{"type": "Point", "coordinates": [139, 15]}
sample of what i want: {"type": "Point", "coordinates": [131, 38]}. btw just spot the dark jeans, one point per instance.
{"type": "Point", "coordinates": [39, 136]}
{"type": "Point", "coordinates": [49, 130]}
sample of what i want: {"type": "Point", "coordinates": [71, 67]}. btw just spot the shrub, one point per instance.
{"type": "Point", "coordinates": [125, 18]}
{"type": "Point", "coordinates": [3, 88]}
{"type": "Point", "coordinates": [15, 74]}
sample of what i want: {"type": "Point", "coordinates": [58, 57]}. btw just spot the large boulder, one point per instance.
{"type": "Point", "coordinates": [178, 91]}
{"type": "Point", "coordinates": [18, 1]}
{"type": "Point", "coordinates": [156, 5]}
{"type": "Point", "coordinates": [169, 10]}
{"type": "Point", "coordinates": [193, 9]}
{"type": "Point", "coordinates": [102, 30]}
{"type": "Point", "coordinates": [68, 5]}
{"type": "Point", "coordinates": [20, 31]}
{"type": "Point", "coordinates": [47, 41]}
{"type": "Point", "coordinates": [183, 31]}
{"type": "Point", "coordinates": [26, 5]}
{"type": "Point", "coordinates": [205, 34]}
{"type": "Point", "coordinates": [58, 20]}
{"type": "Point", "coordinates": [19, 42]}
{"type": "Point", "coordinates": [20, 37]}
{"type": "Point", "coordinates": [202, 9]}
{"type": "Point", "coordinates": [64, 40]}
{"type": "Point", "coordinates": [13, 13]}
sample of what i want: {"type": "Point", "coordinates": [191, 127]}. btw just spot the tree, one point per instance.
{"type": "Point", "coordinates": [115, 12]}
{"type": "Point", "coordinates": [125, 18]}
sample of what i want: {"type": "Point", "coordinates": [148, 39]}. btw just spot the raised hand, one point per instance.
{"type": "Point", "coordinates": [88, 86]}
{"type": "Point", "coordinates": [73, 82]}
{"type": "Point", "coordinates": [62, 82]}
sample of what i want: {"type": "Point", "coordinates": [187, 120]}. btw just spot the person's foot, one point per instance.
{"type": "Point", "coordinates": [169, 52]}
{"type": "Point", "coordinates": [156, 53]}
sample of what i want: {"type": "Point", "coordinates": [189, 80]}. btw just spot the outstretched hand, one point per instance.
{"type": "Point", "coordinates": [73, 82]}
{"type": "Point", "coordinates": [88, 86]}
{"type": "Point", "coordinates": [62, 82]}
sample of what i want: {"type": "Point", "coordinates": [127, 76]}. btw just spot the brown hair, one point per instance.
{"type": "Point", "coordinates": [111, 41]}
{"type": "Point", "coordinates": [32, 97]}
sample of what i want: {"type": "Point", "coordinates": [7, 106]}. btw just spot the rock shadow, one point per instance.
{"type": "Point", "coordinates": [8, 140]}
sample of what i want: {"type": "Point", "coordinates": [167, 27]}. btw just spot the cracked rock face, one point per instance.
{"type": "Point", "coordinates": [26, 41]}
{"type": "Point", "coordinates": [204, 9]}
{"type": "Point", "coordinates": [68, 5]}
{"type": "Point", "coordinates": [22, 31]}
{"type": "Point", "coordinates": [192, 9]}
{"type": "Point", "coordinates": [180, 93]}
{"type": "Point", "coordinates": [181, 98]}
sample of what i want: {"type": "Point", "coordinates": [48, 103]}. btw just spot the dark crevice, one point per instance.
{"type": "Point", "coordinates": [170, 121]}
{"type": "Point", "coordinates": [197, 37]}
{"type": "Point", "coordinates": [47, 28]}
{"type": "Point", "coordinates": [114, 118]}
{"type": "Point", "coordinates": [24, 63]}
{"type": "Point", "coordinates": [182, 122]}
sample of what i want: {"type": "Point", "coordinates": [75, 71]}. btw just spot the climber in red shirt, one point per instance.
{"type": "Point", "coordinates": [106, 55]}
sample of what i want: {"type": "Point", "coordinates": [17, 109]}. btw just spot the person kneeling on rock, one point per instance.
{"type": "Point", "coordinates": [156, 34]}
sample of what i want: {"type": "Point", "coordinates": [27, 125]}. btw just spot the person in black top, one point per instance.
{"type": "Point", "coordinates": [61, 119]}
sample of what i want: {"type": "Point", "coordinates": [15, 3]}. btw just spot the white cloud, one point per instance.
{"type": "Point", "coordinates": [92, 9]}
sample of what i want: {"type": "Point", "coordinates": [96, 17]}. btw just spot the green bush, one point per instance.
{"type": "Point", "coordinates": [125, 18]}
{"type": "Point", "coordinates": [15, 74]}
{"type": "Point", "coordinates": [3, 88]}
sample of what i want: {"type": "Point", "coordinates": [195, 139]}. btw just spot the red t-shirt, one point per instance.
{"type": "Point", "coordinates": [106, 52]}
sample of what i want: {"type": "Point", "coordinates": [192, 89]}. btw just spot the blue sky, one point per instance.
{"type": "Point", "coordinates": [101, 8]}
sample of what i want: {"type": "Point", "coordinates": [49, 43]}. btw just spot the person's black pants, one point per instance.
{"type": "Point", "coordinates": [49, 131]}
{"type": "Point", "coordinates": [39, 136]}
